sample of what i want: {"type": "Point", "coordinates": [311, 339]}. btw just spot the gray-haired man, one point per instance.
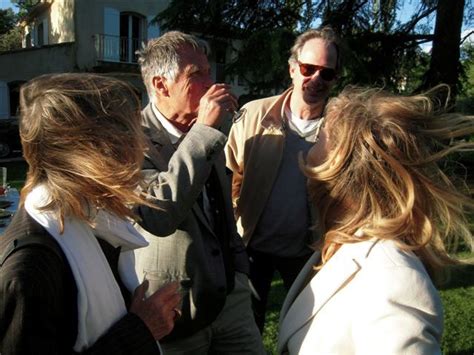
{"type": "Point", "coordinates": [192, 235]}
{"type": "Point", "coordinates": [269, 190]}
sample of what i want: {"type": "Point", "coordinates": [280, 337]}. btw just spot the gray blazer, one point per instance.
{"type": "Point", "coordinates": [183, 245]}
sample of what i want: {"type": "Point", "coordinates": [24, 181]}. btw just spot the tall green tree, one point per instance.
{"type": "Point", "coordinates": [379, 48]}
{"type": "Point", "coordinates": [9, 34]}
{"type": "Point", "coordinates": [465, 102]}
{"type": "Point", "coordinates": [24, 6]}
{"type": "Point", "coordinates": [7, 20]}
{"type": "Point", "coordinates": [445, 65]}
{"type": "Point", "coordinates": [266, 28]}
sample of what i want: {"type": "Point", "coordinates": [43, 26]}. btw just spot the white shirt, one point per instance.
{"type": "Point", "coordinates": [304, 128]}
{"type": "Point", "coordinates": [174, 133]}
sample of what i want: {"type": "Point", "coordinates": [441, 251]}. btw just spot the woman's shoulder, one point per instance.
{"type": "Point", "coordinates": [383, 253]}
{"type": "Point", "coordinates": [27, 252]}
{"type": "Point", "coordinates": [37, 290]}
{"type": "Point", "coordinates": [390, 268]}
{"type": "Point", "coordinates": [389, 254]}
{"type": "Point", "coordinates": [385, 260]}
{"type": "Point", "coordinates": [26, 235]}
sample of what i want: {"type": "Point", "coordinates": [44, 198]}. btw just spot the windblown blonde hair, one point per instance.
{"type": "Point", "coordinates": [82, 138]}
{"type": "Point", "coordinates": [381, 175]}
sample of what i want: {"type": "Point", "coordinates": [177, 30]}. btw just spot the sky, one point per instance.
{"type": "Point", "coordinates": [6, 4]}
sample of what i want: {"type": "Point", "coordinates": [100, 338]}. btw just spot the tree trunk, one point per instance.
{"type": "Point", "coordinates": [445, 66]}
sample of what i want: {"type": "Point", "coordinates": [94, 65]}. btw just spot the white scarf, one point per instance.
{"type": "Point", "coordinates": [99, 300]}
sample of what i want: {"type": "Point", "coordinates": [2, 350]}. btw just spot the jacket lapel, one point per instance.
{"type": "Point", "coordinates": [221, 176]}
{"type": "Point", "coordinates": [300, 282]}
{"type": "Point", "coordinates": [300, 307]}
{"type": "Point", "coordinates": [202, 217]}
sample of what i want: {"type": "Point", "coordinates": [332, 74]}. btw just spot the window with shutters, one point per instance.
{"type": "Point", "coordinates": [131, 36]}
{"type": "Point", "coordinates": [40, 34]}
{"type": "Point", "coordinates": [123, 34]}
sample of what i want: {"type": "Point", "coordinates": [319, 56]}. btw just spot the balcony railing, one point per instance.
{"type": "Point", "coordinates": [116, 49]}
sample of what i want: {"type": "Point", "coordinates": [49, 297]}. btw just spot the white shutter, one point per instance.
{"type": "Point", "coordinates": [153, 28]}
{"type": "Point", "coordinates": [111, 42]}
{"type": "Point", "coordinates": [45, 32]}
{"type": "Point", "coordinates": [4, 100]}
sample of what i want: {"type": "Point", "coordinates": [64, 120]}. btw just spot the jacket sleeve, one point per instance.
{"type": "Point", "coordinates": [175, 190]}
{"type": "Point", "coordinates": [34, 316]}
{"type": "Point", "coordinates": [393, 319]}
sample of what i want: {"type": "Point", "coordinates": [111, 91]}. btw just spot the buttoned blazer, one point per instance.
{"type": "Point", "coordinates": [369, 298]}
{"type": "Point", "coordinates": [183, 245]}
{"type": "Point", "coordinates": [253, 153]}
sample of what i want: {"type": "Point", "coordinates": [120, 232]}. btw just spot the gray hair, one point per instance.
{"type": "Point", "coordinates": [160, 56]}
{"type": "Point", "coordinates": [325, 33]}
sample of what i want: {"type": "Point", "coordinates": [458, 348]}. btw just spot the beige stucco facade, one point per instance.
{"type": "Point", "coordinates": [86, 36]}
{"type": "Point", "coordinates": [61, 19]}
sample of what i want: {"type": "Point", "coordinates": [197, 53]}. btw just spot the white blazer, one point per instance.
{"type": "Point", "coordinates": [369, 298]}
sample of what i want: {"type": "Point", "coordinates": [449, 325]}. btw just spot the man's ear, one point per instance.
{"type": "Point", "coordinates": [160, 86]}
{"type": "Point", "coordinates": [291, 69]}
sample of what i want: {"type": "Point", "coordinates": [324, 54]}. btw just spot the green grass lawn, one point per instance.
{"type": "Point", "coordinates": [458, 301]}
{"type": "Point", "coordinates": [457, 296]}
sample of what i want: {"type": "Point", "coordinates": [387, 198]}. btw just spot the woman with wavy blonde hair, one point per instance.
{"type": "Point", "coordinates": [388, 214]}
{"type": "Point", "coordinates": [66, 268]}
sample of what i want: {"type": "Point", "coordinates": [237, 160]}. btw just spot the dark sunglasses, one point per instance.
{"type": "Point", "coordinates": [327, 74]}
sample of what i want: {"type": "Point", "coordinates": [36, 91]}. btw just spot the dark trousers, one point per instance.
{"type": "Point", "coordinates": [262, 269]}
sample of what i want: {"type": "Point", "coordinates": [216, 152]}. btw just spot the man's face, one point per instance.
{"type": "Point", "coordinates": [192, 82]}
{"type": "Point", "coordinates": [314, 89]}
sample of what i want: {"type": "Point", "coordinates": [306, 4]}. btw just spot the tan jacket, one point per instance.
{"type": "Point", "coordinates": [370, 298]}
{"type": "Point", "coordinates": [253, 153]}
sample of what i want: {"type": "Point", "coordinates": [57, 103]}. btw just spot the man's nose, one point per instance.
{"type": "Point", "coordinates": [316, 76]}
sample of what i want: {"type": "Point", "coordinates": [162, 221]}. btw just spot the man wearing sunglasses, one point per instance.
{"type": "Point", "coordinates": [268, 188]}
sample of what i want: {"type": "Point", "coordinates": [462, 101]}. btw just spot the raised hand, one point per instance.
{"type": "Point", "coordinates": [215, 104]}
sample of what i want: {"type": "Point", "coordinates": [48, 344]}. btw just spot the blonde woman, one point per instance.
{"type": "Point", "coordinates": [388, 212]}
{"type": "Point", "coordinates": [66, 270]}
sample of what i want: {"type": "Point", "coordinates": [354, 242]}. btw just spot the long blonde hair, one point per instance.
{"type": "Point", "coordinates": [82, 138]}
{"type": "Point", "coordinates": [381, 174]}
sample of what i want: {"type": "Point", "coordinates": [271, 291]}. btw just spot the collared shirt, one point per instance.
{"type": "Point", "coordinates": [174, 133]}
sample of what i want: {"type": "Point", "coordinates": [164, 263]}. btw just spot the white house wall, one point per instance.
{"type": "Point", "coordinates": [61, 24]}
{"type": "Point", "coordinates": [28, 63]}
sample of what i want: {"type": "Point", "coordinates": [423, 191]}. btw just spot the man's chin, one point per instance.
{"type": "Point", "coordinates": [316, 98]}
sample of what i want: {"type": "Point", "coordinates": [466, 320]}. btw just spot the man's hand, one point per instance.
{"type": "Point", "coordinates": [159, 311]}
{"type": "Point", "coordinates": [215, 104]}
